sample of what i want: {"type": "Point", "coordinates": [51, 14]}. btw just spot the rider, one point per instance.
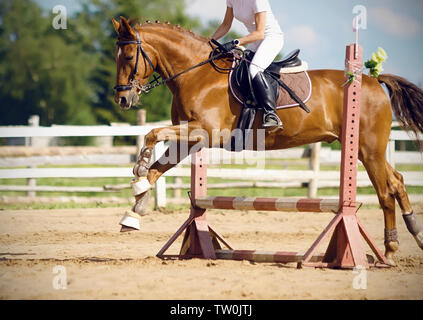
{"type": "Point", "coordinates": [266, 39]}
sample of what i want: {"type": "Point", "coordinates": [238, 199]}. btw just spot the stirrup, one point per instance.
{"type": "Point", "coordinates": [275, 121]}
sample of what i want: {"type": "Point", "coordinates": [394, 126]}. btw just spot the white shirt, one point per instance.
{"type": "Point", "coordinates": [245, 10]}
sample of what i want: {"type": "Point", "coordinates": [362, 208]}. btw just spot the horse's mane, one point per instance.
{"type": "Point", "coordinates": [135, 22]}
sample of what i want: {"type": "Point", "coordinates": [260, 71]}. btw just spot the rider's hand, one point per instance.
{"type": "Point", "coordinates": [228, 46]}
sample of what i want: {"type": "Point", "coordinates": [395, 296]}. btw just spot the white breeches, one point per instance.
{"type": "Point", "coordinates": [266, 52]}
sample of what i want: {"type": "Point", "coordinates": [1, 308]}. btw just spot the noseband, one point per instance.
{"type": "Point", "coordinates": [132, 82]}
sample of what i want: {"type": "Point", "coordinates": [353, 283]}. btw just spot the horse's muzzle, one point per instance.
{"type": "Point", "coordinates": [126, 100]}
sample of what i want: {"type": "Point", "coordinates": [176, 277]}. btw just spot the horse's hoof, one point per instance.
{"type": "Point", "coordinates": [391, 247]}
{"type": "Point", "coordinates": [130, 221]}
{"type": "Point", "coordinates": [127, 229]}
{"type": "Point", "coordinates": [391, 261]}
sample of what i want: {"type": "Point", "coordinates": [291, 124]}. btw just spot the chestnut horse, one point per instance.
{"type": "Point", "coordinates": [202, 100]}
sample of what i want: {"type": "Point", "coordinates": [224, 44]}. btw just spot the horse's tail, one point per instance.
{"type": "Point", "coordinates": [407, 103]}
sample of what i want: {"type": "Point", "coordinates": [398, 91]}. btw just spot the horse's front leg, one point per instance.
{"type": "Point", "coordinates": [184, 139]}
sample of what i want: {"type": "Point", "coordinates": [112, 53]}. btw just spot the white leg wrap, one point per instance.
{"type": "Point", "coordinates": [141, 186]}
{"type": "Point", "coordinates": [130, 219]}
{"type": "Point", "coordinates": [138, 208]}
{"type": "Point", "coordinates": [141, 171]}
{"type": "Point", "coordinates": [135, 170]}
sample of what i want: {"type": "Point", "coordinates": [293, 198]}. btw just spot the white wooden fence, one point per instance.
{"type": "Point", "coordinates": [315, 177]}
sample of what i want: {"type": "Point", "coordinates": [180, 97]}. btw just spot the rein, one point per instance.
{"type": "Point", "coordinates": [156, 83]}
{"type": "Point", "coordinates": [133, 83]}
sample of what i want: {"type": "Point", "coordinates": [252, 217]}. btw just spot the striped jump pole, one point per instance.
{"type": "Point", "coordinates": [345, 250]}
{"type": "Point", "coordinates": [268, 204]}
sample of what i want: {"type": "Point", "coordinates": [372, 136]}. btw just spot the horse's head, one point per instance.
{"type": "Point", "coordinates": [134, 64]}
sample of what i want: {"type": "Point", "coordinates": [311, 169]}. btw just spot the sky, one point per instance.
{"type": "Point", "coordinates": [322, 29]}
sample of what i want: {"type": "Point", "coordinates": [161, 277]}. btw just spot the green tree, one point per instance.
{"type": "Point", "coordinates": [67, 76]}
{"type": "Point", "coordinates": [42, 72]}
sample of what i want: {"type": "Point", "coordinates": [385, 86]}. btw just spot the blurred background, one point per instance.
{"type": "Point", "coordinates": [64, 77]}
{"type": "Point", "coordinates": [67, 76]}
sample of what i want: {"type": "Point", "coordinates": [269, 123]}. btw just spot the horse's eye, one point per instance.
{"type": "Point", "coordinates": [129, 58]}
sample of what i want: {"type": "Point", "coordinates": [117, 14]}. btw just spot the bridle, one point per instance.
{"type": "Point", "coordinates": [132, 82]}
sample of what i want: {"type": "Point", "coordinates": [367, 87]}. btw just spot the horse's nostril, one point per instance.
{"type": "Point", "coordinates": [122, 101]}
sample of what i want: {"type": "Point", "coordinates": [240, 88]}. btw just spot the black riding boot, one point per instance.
{"type": "Point", "coordinates": [266, 98]}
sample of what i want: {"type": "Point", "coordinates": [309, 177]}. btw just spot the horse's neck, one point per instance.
{"type": "Point", "coordinates": [176, 50]}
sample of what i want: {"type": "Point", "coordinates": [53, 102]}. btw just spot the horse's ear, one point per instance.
{"type": "Point", "coordinates": [125, 28]}
{"type": "Point", "coordinates": [116, 25]}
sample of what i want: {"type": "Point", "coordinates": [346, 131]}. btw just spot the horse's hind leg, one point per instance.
{"type": "Point", "coordinates": [389, 186]}
{"type": "Point", "coordinates": [396, 182]}
{"type": "Point", "coordinates": [375, 164]}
